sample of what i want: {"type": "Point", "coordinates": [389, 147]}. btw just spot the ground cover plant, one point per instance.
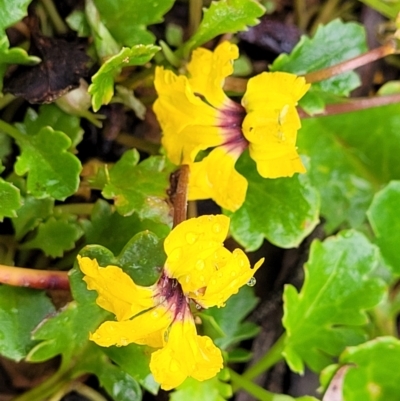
{"type": "Point", "coordinates": [199, 200]}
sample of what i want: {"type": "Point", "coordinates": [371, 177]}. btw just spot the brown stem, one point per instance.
{"type": "Point", "coordinates": [362, 59]}
{"type": "Point", "coordinates": [354, 105]}
{"type": "Point", "coordinates": [32, 278]}
{"type": "Point", "coordinates": [180, 196]}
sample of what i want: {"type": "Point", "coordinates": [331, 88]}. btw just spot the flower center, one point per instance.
{"type": "Point", "coordinates": [171, 295]}
{"type": "Point", "coordinates": [230, 120]}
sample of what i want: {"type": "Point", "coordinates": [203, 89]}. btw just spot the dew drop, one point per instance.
{"type": "Point", "coordinates": [252, 282]}
{"type": "Point", "coordinates": [123, 341]}
{"type": "Point", "coordinates": [154, 314]}
{"type": "Point", "coordinates": [216, 228]}
{"type": "Point", "coordinates": [191, 238]}
{"type": "Point", "coordinates": [200, 264]}
{"type": "Point", "coordinates": [198, 307]}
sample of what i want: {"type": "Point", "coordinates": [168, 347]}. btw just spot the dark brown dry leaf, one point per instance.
{"type": "Point", "coordinates": [63, 64]}
{"type": "Point", "coordinates": [272, 35]}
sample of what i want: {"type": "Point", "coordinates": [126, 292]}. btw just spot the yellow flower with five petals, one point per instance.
{"type": "Point", "coordinates": [195, 114]}
{"type": "Point", "coordinates": [198, 270]}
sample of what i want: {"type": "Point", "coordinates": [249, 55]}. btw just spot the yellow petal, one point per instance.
{"type": "Point", "coordinates": [215, 177]}
{"type": "Point", "coordinates": [117, 293]}
{"type": "Point", "coordinates": [275, 89]}
{"type": "Point", "coordinates": [185, 354]}
{"type": "Point", "coordinates": [233, 271]}
{"type": "Point", "coordinates": [188, 247]}
{"type": "Point", "coordinates": [272, 122]}
{"type": "Point", "coordinates": [208, 71]}
{"type": "Point", "coordinates": [188, 123]}
{"type": "Point", "coordinates": [148, 328]}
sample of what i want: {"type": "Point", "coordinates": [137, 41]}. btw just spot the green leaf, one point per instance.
{"type": "Point", "coordinates": [208, 390]}
{"type": "Point", "coordinates": [329, 312]}
{"type": "Point", "coordinates": [127, 19]}
{"type": "Point", "coordinates": [351, 157]}
{"type": "Point", "coordinates": [229, 319]}
{"type": "Point", "coordinates": [78, 22]}
{"type": "Point", "coordinates": [388, 9]}
{"type": "Point", "coordinates": [21, 310]}
{"type": "Point", "coordinates": [118, 384]}
{"type": "Point", "coordinates": [102, 87]}
{"type": "Point", "coordinates": [104, 42]}
{"type": "Point", "coordinates": [225, 16]}
{"type": "Point", "coordinates": [141, 258]}
{"type": "Point", "coordinates": [283, 210]}
{"type": "Point", "coordinates": [11, 14]}
{"type": "Point", "coordinates": [135, 360]}
{"type": "Point", "coordinates": [371, 373]}
{"type": "Point", "coordinates": [383, 215]}
{"type": "Point", "coordinates": [5, 146]}
{"type": "Point", "coordinates": [140, 188]}
{"type": "Point", "coordinates": [31, 214]}
{"type": "Point", "coordinates": [104, 221]}
{"type": "Point", "coordinates": [52, 116]}
{"type": "Point", "coordinates": [52, 171]}
{"type": "Point", "coordinates": [55, 236]}
{"type": "Point", "coordinates": [67, 333]}
{"type": "Point", "coordinates": [331, 44]}
{"type": "Point", "coordinates": [10, 199]}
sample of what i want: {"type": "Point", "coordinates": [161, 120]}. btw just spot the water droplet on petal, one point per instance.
{"type": "Point", "coordinates": [216, 228]}
{"type": "Point", "coordinates": [252, 282]}
{"type": "Point", "coordinates": [191, 238]}
{"type": "Point", "coordinates": [200, 264]}
{"type": "Point", "coordinates": [154, 314]}
{"type": "Point", "coordinates": [123, 341]}
{"type": "Point", "coordinates": [198, 307]}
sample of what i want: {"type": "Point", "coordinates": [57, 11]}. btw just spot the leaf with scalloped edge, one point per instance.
{"type": "Point", "coordinates": [215, 389]}
{"type": "Point", "coordinates": [127, 19]}
{"type": "Point", "coordinates": [52, 116]}
{"type": "Point", "coordinates": [21, 310]}
{"type": "Point", "coordinates": [55, 236]}
{"type": "Point", "coordinates": [104, 220]}
{"type": "Point", "coordinates": [383, 214]}
{"type": "Point", "coordinates": [328, 313]}
{"type": "Point", "coordinates": [332, 43]}
{"type": "Point", "coordinates": [225, 16]}
{"type": "Point", "coordinates": [52, 170]}
{"type": "Point", "coordinates": [351, 158]}
{"type": "Point", "coordinates": [102, 87]}
{"type": "Point", "coordinates": [283, 210]}
{"type": "Point", "coordinates": [10, 14]}
{"type": "Point", "coordinates": [10, 199]}
{"type": "Point", "coordinates": [31, 214]}
{"type": "Point", "coordinates": [367, 371]}
{"type": "Point", "coordinates": [140, 188]}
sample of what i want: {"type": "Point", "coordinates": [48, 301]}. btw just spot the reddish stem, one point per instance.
{"type": "Point", "coordinates": [180, 196]}
{"type": "Point", "coordinates": [354, 105]}
{"type": "Point", "coordinates": [32, 278]}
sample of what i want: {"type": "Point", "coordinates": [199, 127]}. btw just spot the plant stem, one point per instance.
{"type": "Point", "coordinates": [355, 104]}
{"type": "Point", "coordinates": [32, 278]}
{"type": "Point", "coordinates": [355, 62]}
{"type": "Point", "coordinates": [256, 391]}
{"type": "Point", "coordinates": [195, 9]}
{"type": "Point", "coordinates": [10, 130]}
{"type": "Point", "coordinates": [273, 356]}
{"type": "Point", "coordinates": [49, 387]}
{"type": "Point", "coordinates": [180, 195]}
{"type": "Point", "coordinates": [55, 18]}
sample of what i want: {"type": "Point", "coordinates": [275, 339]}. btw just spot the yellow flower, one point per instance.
{"type": "Point", "coordinates": [195, 114]}
{"type": "Point", "coordinates": [198, 269]}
